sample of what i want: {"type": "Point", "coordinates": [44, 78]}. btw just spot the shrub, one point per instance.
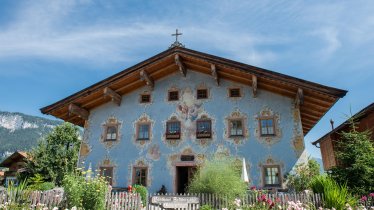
{"type": "Point", "coordinates": [303, 173]}
{"type": "Point", "coordinates": [37, 183]}
{"type": "Point", "coordinates": [206, 207]}
{"type": "Point", "coordinates": [334, 195]}
{"type": "Point", "coordinates": [218, 176]}
{"type": "Point", "coordinates": [142, 191]}
{"type": "Point", "coordinates": [86, 194]}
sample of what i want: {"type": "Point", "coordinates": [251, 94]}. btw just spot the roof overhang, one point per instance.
{"type": "Point", "coordinates": [316, 99]}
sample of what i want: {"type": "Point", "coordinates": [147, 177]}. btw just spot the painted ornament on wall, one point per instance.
{"type": "Point", "coordinates": [188, 111]}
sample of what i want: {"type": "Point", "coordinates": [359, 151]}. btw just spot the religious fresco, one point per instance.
{"type": "Point", "coordinates": [266, 112]}
{"type": "Point", "coordinates": [188, 111]}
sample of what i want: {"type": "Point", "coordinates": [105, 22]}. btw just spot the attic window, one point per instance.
{"type": "Point", "coordinates": [145, 98]}
{"type": "Point", "coordinates": [235, 92]}
{"type": "Point", "coordinates": [111, 132]}
{"type": "Point", "coordinates": [173, 95]}
{"type": "Point", "coordinates": [202, 94]}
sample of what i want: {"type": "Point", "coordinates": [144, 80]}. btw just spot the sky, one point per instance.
{"type": "Point", "coordinates": [52, 49]}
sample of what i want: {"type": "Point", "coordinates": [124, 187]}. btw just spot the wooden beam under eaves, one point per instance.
{"type": "Point", "coordinates": [79, 111]}
{"type": "Point", "coordinates": [214, 73]}
{"type": "Point", "coordinates": [254, 86]}
{"type": "Point", "coordinates": [180, 65]}
{"type": "Point", "coordinates": [116, 98]}
{"type": "Point", "coordinates": [299, 100]}
{"type": "Point", "coordinates": [148, 80]}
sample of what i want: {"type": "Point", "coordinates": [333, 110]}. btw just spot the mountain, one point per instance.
{"type": "Point", "coordinates": [21, 132]}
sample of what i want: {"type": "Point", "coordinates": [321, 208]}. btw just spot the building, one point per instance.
{"type": "Point", "coordinates": [15, 164]}
{"type": "Point", "coordinates": [364, 120]}
{"type": "Point", "coordinates": [155, 122]}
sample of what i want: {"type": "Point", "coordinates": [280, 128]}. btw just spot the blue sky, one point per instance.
{"type": "Point", "coordinates": [51, 49]}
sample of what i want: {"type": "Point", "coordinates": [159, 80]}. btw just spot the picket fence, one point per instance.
{"type": "Point", "coordinates": [132, 201]}
{"type": "Point", "coordinates": [219, 201]}
{"type": "Point", "coordinates": [51, 199]}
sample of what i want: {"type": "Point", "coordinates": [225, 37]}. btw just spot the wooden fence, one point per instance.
{"type": "Point", "coordinates": [51, 199]}
{"type": "Point", "coordinates": [132, 201]}
{"type": "Point", "coordinates": [219, 201]}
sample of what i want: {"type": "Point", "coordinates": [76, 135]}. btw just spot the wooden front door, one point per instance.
{"type": "Point", "coordinates": [183, 177]}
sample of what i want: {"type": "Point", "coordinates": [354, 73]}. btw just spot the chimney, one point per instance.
{"type": "Point", "coordinates": [332, 124]}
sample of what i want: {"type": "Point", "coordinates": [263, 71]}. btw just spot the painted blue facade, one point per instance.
{"type": "Point", "coordinates": [161, 156]}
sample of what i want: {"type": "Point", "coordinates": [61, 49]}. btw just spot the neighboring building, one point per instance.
{"type": "Point", "coordinates": [15, 163]}
{"type": "Point", "coordinates": [364, 120]}
{"type": "Point", "coordinates": [155, 122]}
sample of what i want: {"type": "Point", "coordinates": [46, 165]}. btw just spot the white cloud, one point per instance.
{"type": "Point", "coordinates": [330, 37]}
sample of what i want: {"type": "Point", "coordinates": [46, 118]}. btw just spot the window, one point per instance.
{"type": "Point", "coordinates": [173, 130]}
{"type": "Point", "coordinates": [145, 98]}
{"type": "Point", "coordinates": [107, 173]}
{"type": "Point", "coordinates": [203, 129]}
{"type": "Point", "coordinates": [202, 94]}
{"type": "Point", "coordinates": [140, 176]}
{"type": "Point", "coordinates": [143, 131]}
{"type": "Point", "coordinates": [236, 128]}
{"type": "Point", "coordinates": [267, 127]}
{"type": "Point", "coordinates": [272, 176]}
{"type": "Point", "coordinates": [173, 95]}
{"type": "Point", "coordinates": [235, 92]}
{"type": "Point", "coordinates": [111, 133]}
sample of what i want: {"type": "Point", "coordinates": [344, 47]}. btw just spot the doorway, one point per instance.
{"type": "Point", "coordinates": [183, 177]}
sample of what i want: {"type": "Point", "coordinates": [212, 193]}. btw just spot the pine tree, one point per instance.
{"type": "Point", "coordinates": [355, 157]}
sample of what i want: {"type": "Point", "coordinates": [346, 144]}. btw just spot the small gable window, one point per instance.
{"type": "Point", "coordinates": [173, 130]}
{"type": "Point", "coordinates": [202, 94]}
{"type": "Point", "coordinates": [267, 127]}
{"type": "Point", "coordinates": [111, 133]}
{"type": "Point", "coordinates": [145, 98]}
{"type": "Point", "coordinates": [204, 128]}
{"type": "Point", "coordinates": [143, 131]}
{"type": "Point", "coordinates": [173, 95]}
{"type": "Point", "coordinates": [236, 128]}
{"type": "Point", "coordinates": [140, 176]}
{"type": "Point", "coordinates": [107, 173]}
{"type": "Point", "coordinates": [271, 176]}
{"type": "Point", "coordinates": [235, 92]}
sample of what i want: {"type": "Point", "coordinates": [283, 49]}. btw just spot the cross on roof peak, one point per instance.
{"type": "Point", "coordinates": [176, 43]}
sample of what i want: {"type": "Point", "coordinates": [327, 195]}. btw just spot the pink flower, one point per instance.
{"type": "Point", "coordinates": [364, 198]}
{"type": "Point", "coordinates": [253, 188]}
{"type": "Point", "coordinates": [371, 195]}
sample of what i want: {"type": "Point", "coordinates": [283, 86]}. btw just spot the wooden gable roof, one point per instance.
{"type": "Point", "coordinates": [363, 113]}
{"type": "Point", "coordinates": [314, 99]}
{"type": "Point", "coordinates": [16, 156]}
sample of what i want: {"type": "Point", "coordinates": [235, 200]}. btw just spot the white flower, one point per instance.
{"type": "Point", "coordinates": [74, 208]}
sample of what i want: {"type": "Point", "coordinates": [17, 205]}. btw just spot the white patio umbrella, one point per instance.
{"type": "Point", "coordinates": [89, 172]}
{"type": "Point", "coordinates": [244, 172]}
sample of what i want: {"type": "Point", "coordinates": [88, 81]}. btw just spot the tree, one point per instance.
{"type": "Point", "coordinates": [355, 157]}
{"type": "Point", "coordinates": [302, 176]}
{"type": "Point", "coordinates": [56, 154]}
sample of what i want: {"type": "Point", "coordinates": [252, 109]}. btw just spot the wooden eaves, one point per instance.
{"type": "Point", "coordinates": [316, 99]}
